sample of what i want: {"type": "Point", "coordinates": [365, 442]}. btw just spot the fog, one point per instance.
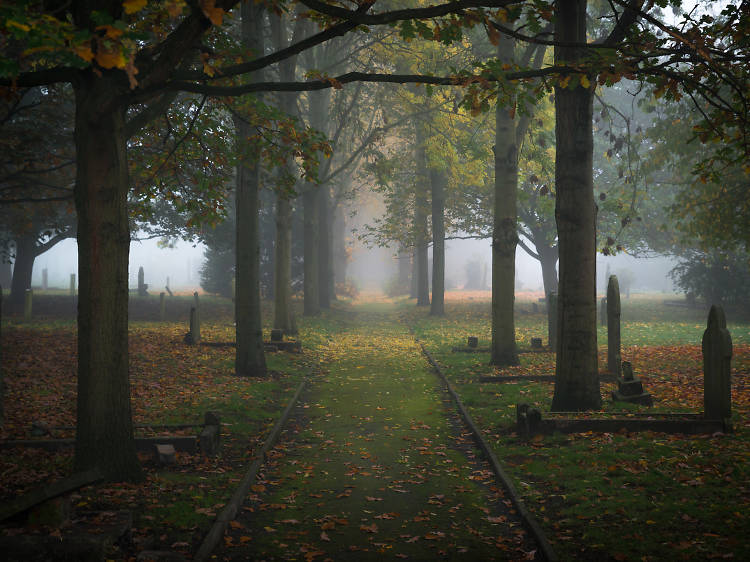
{"type": "Point", "coordinates": [369, 269]}
{"type": "Point", "coordinates": [181, 264]}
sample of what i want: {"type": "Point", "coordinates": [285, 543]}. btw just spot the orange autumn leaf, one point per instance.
{"type": "Point", "coordinates": [209, 9]}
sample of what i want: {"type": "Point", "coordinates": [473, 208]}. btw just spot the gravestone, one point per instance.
{"type": "Point", "coordinates": [27, 302]}
{"type": "Point", "coordinates": [630, 388]}
{"type": "Point", "coordinates": [164, 453]}
{"type": "Point", "coordinates": [210, 435]}
{"type": "Point", "coordinates": [72, 284]}
{"type": "Point", "coordinates": [536, 343]}
{"type": "Point", "coordinates": [552, 319]}
{"type": "Point", "coordinates": [277, 335]}
{"type": "Point", "coordinates": [614, 358]}
{"type": "Point", "coordinates": [162, 307]}
{"type": "Point", "coordinates": [44, 279]}
{"type": "Point", "coordinates": [193, 337]}
{"type": "Point", "coordinates": [195, 325]}
{"type": "Point", "coordinates": [472, 341]}
{"type": "Point", "coordinates": [603, 312]}
{"type": "Point", "coordinates": [717, 364]}
{"type": "Point", "coordinates": [142, 287]}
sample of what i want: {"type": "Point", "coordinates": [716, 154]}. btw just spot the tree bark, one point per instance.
{"type": "Point", "coordinates": [421, 236]}
{"type": "Point", "coordinates": [340, 254]}
{"type": "Point", "coordinates": [23, 266]}
{"type": "Point", "coordinates": [104, 436]}
{"type": "Point", "coordinates": [437, 182]}
{"type": "Point", "coordinates": [282, 281]}
{"type": "Point", "coordinates": [548, 260]}
{"type": "Point", "coordinates": [324, 246]}
{"type": "Point", "coordinates": [311, 276]}
{"type": "Point", "coordinates": [250, 359]}
{"type": "Point", "coordinates": [576, 372]}
{"type": "Point", "coordinates": [503, 350]}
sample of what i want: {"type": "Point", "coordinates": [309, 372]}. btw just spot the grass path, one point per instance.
{"type": "Point", "coordinates": [375, 465]}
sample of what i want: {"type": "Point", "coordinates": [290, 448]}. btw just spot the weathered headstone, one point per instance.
{"type": "Point", "coordinates": [165, 453]}
{"type": "Point", "coordinates": [630, 388]}
{"type": "Point", "coordinates": [193, 337]}
{"type": "Point", "coordinates": [717, 364]}
{"type": "Point", "coordinates": [142, 286]}
{"type": "Point", "coordinates": [552, 320]}
{"type": "Point", "coordinates": [210, 435]}
{"type": "Point", "coordinates": [472, 341]}
{"type": "Point", "coordinates": [44, 279]}
{"type": "Point", "coordinates": [614, 357]}
{"type": "Point", "coordinates": [277, 335]}
{"type": "Point", "coordinates": [27, 304]}
{"type": "Point", "coordinates": [536, 343]}
{"type": "Point", "coordinates": [603, 312]}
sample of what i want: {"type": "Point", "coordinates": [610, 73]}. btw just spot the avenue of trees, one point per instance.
{"type": "Point", "coordinates": [222, 120]}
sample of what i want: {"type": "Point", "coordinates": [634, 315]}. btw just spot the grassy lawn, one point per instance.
{"type": "Point", "coordinates": [640, 496]}
{"type": "Point", "coordinates": [367, 437]}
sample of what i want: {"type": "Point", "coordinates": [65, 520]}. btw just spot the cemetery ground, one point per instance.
{"type": "Point", "coordinates": [374, 421]}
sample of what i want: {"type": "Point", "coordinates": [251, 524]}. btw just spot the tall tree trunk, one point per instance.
{"type": "Point", "coordinates": [414, 275]}
{"type": "Point", "coordinates": [324, 247]}
{"type": "Point", "coordinates": [548, 261]}
{"type": "Point", "coordinates": [104, 436]}
{"type": "Point", "coordinates": [340, 254]}
{"type": "Point", "coordinates": [438, 181]}
{"type": "Point", "coordinates": [504, 227]}
{"type": "Point", "coordinates": [23, 266]}
{"type": "Point", "coordinates": [421, 235]}
{"type": "Point", "coordinates": [404, 270]}
{"type": "Point", "coordinates": [282, 282]}
{"type": "Point", "coordinates": [312, 234]}
{"type": "Point", "coordinates": [576, 372]}
{"type": "Point", "coordinates": [250, 359]}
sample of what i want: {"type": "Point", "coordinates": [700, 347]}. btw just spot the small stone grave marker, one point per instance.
{"type": "Point", "coordinates": [630, 388]}
{"type": "Point", "coordinates": [472, 341]}
{"type": "Point", "coordinates": [165, 453]}
{"type": "Point", "coordinates": [536, 343]}
{"type": "Point", "coordinates": [277, 335]}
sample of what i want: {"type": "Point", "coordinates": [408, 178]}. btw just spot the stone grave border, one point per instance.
{"type": "Point", "coordinates": [229, 511]}
{"type": "Point", "coordinates": [184, 443]}
{"type": "Point", "coordinates": [529, 422]}
{"type": "Point", "coordinates": [526, 517]}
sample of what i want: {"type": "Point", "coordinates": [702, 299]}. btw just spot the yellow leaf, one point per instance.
{"type": "Point", "coordinates": [110, 31]}
{"type": "Point", "coordinates": [209, 9]}
{"type": "Point", "coordinates": [84, 51]}
{"type": "Point", "coordinates": [585, 81]}
{"type": "Point", "coordinates": [109, 59]}
{"type": "Point", "coordinates": [133, 6]}
{"type": "Point", "coordinates": [21, 26]}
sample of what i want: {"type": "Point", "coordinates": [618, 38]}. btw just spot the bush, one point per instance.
{"type": "Point", "coordinates": [716, 278]}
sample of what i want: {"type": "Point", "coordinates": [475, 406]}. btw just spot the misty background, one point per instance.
{"type": "Point", "coordinates": [369, 269]}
